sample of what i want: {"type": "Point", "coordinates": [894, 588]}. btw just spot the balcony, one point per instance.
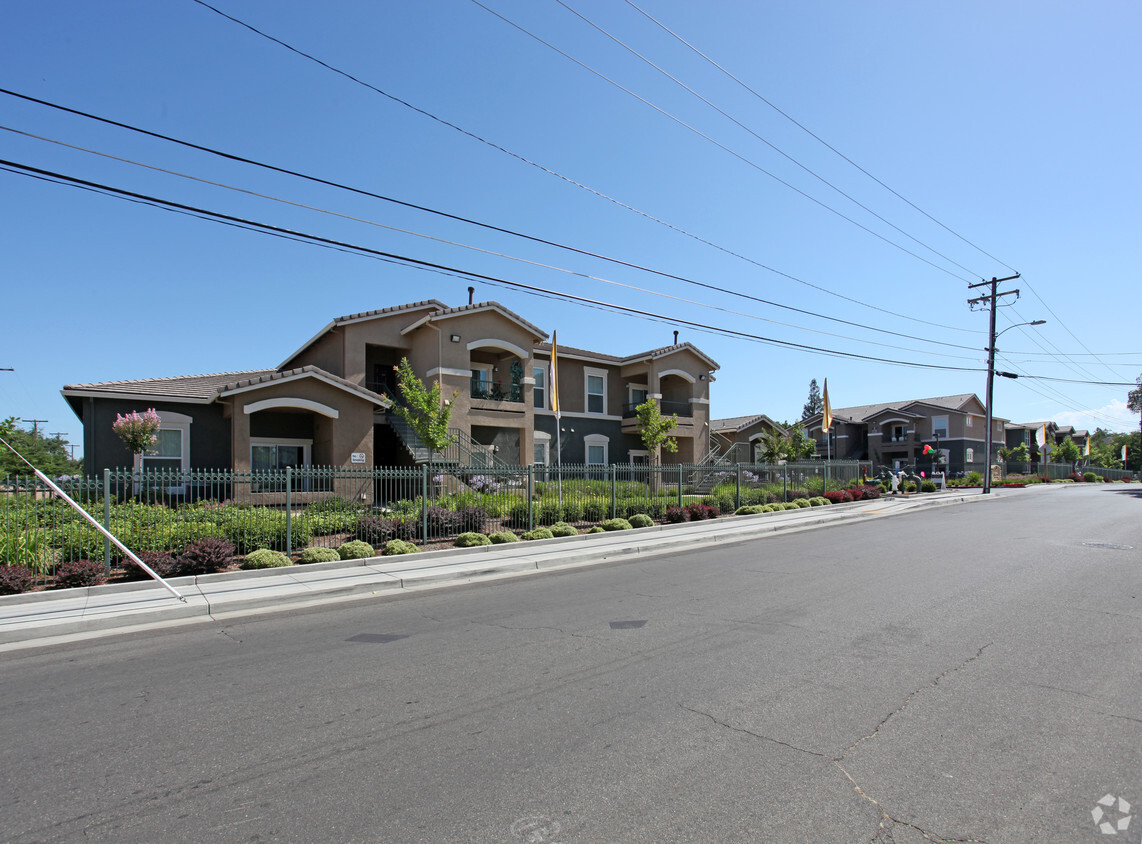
{"type": "Point", "coordinates": [482, 388]}
{"type": "Point", "coordinates": [667, 408]}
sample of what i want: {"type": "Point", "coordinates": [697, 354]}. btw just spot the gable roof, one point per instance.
{"type": "Point", "coordinates": [204, 389]}
{"type": "Point", "coordinates": [434, 304]}
{"type": "Point", "coordinates": [740, 423]}
{"type": "Point", "coordinates": [652, 354]}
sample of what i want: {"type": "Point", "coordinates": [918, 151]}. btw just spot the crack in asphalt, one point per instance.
{"type": "Point", "coordinates": [884, 835]}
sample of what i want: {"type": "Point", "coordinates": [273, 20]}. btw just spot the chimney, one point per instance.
{"type": "Point", "coordinates": [676, 338]}
{"type": "Point", "coordinates": [471, 292]}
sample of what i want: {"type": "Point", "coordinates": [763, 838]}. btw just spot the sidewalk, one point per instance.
{"type": "Point", "coordinates": [41, 618]}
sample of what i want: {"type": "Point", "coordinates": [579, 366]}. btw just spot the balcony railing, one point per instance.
{"type": "Point", "coordinates": [667, 408]}
{"type": "Point", "coordinates": [496, 390]}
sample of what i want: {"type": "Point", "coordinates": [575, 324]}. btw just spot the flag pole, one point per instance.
{"type": "Point", "coordinates": [558, 418]}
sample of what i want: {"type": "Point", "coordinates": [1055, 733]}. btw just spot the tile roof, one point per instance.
{"type": "Point", "coordinates": [201, 387]}
{"type": "Point", "coordinates": [737, 423]}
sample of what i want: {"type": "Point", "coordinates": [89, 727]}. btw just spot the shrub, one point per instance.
{"type": "Point", "coordinates": [674, 515]}
{"type": "Point", "coordinates": [595, 529]}
{"type": "Point", "coordinates": [856, 493]}
{"type": "Point", "coordinates": [15, 579]}
{"type": "Point", "coordinates": [615, 524]}
{"type": "Point", "coordinates": [471, 539]}
{"type": "Point", "coordinates": [596, 509]}
{"type": "Point", "coordinates": [206, 555]}
{"type": "Point", "coordinates": [927, 486]}
{"type": "Point", "coordinates": [818, 501]}
{"type": "Point", "coordinates": [538, 533]}
{"type": "Point", "coordinates": [377, 530]}
{"type": "Point", "coordinates": [1089, 477]}
{"type": "Point", "coordinates": [398, 546]}
{"type": "Point", "coordinates": [871, 492]}
{"type": "Point", "coordinates": [801, 503]}
{"type": "Point", "coordinates": [640, 520]}
{"type": "Point", "coordinates": [837, 496]}
{"type": "Point", "coordinates": [260, 527]}
{"type": "Point", "coordinates": [502, 537]}
{"type": "Point", "coordinates": [333, 504]}
{"type": "Point", "coordinates": [164, 565]}
{"type": "Point", "coordinates": [752, 510]}
{"type": "Point", "coordinates": [265, 558]}
{"type": "Point", "coordinates": [563, 529]}
{"type": "Point", "coordinates": [355, 550]}
{"type": "Point", "coordinates": [319, 555]}
{"type": "Point", "coordinates": [79, 573]}
{"type": "Point", "coordinates": [572, 510]}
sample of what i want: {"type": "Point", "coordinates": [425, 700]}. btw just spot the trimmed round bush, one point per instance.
{"type": "Point", "coordinates": [789, 505]}
{"type": "Point", "coordinates": [563, 529]}
{"type": "Point", "coordinates": [355, 549]}
{"type": "Point", "coordinates": [16, 579]}
{"type": "Point", "coordinates": [640, 520]}
{"type": "Point", "coordinates": [615, 524]}
{"type": "Point", "coordinates": [78, 573]}
{"type": "Point", "coordinates": [502, 537]}
{"type": "Point", "coordinates": [319, 555]}
{"type": "Point", "coordinates": [818, 501]}
{"type": "Point", "coordinates": [595, 529]}
{"type": "Point", "coordinates": [538, 533]}
{"type": "Point", "coordinates": [1090, 477]}
{"type": "Point", "coordinates": [801, 503]}
{"type": "Point", "coordinates": [752, 510]}
{"type": "Point", "coordinates": [927, 486]}
{"type": "Point", "coordinates": [265, 558]}
{"type": "Point", "coordinates": [398, 546]}
{"type": "Point", "coordinates": [471, 539]}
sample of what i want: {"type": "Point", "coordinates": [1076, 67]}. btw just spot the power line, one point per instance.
{"type": "Point", "coordinates": [279, 231]}
{"type": "Point", "coordinates": [814, 136]}
{"type": "Point", "coordinates": [716, 143]}
{"type": "Point", "coordinates": [537, 263]}
{"type": "Point", "coordinates": [765, 141]}
{"type": "Point", "coordinates": [560, 176]}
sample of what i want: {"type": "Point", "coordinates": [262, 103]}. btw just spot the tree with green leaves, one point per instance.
{"type": "Point", "coordinates": [424, 408]}
{"type": "Point", "coordinates": [48, 454]}
{"type": "Point", "coordinates": [1068, 452]}
{"type": "Point", "coordinates": [1018, 454]}
{"type": "Point", "coordinates": [815, 404]}
{"type": "Point", "coordinates": [1134, 397]}
{"type": "Point", "coordinates": [794, 445]}
{"type": "Point", "coordinates": [654, 429]}
{"type": "Point", "coordinates": [801, 445]}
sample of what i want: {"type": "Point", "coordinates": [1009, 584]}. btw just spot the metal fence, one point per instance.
{"type": "Point", "coordinates": [293, 509]}
{"type": "Point", "coordinates": [1057, 471]}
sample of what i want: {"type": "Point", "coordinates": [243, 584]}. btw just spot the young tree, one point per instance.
{"type": "Point", "coordinates": [654, 428]}
{"type": "Point", "coordinates": [423, 409]}
{"type": "Point", "coordinates": [815, 404]}
{"type": "Point", "coordinates": [801, 445]}
{"type": "Point", "coordinates": [1068, 452]}
{"type": "Point", "coordinates": [49, 455]}
{"type": "Point", "coordinates": [1019, 454]}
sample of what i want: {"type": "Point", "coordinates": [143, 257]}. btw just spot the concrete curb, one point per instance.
{"type": "Point", "coordinates": [43, 618]}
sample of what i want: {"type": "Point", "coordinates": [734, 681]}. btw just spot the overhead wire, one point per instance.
{"type": "Point", "coordinates": [759, 137]}
{"type": "Point", "coordinates": [745, 160]}
{"type": "Point", "coordinates": [555, 268]}
{"type": "Point", "coordinates": [564, 178]}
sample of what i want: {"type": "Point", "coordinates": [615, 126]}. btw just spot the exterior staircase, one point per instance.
{"type": "Point", "coordinates": [463, 451]}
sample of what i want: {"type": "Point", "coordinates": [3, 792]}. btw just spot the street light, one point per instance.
{"type": "Point", "coordinates": [991, 389]}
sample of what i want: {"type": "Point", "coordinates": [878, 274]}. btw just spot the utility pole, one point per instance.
{"type": "Point", "coordinates": [990, 300]}
{"type": "Point", "coordinates": [36, 425]}
{"type": "Point", "coordinates": [59, 434]}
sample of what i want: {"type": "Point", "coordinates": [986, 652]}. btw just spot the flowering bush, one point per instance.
{"type": "Point", "coordinates": [482, 483]}
{"type": "Point", "coordinates": [138, 431]}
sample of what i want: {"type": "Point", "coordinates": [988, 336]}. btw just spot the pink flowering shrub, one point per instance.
{"type": "Point", "coordinates": [138, 431]}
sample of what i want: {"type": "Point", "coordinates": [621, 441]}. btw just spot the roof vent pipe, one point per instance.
{"type": "Point", "coordinates": [676, 338]}
{"type": "Point", "coordinates": [471, 293]}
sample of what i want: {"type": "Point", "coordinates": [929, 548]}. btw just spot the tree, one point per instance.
{"type": "Point", "coordinates": [138, 431]}
{"type": "Point", "coordinates": [801, 445]}
{"type": "Point", "coordinates": [815, 404]}
{"type": "Point", "coordinates": [654, 428]}
{"type": "Point", "coordinates": [1019, 454]}
{"type": "Point", "coordinates": [1134, 397]}
{"type": "Point", "coordinates": [1068, 452]}
{"type": "Point", "coordinates": [795, 445]}
{"type": "Point", "coordinates": [49, 455]}
{"type": "Point", "coordinates": [423, 409]}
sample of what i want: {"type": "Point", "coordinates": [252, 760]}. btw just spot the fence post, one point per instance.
{"type": "Point", "coordinates": [614, 499]}
{"type": "Point", "coordinates": [738, 491]}
{"type": "Point", "coordinates": [679, 484]}
{"type": "Point", "coordinates": [107, 517]}
{"type": "Point", "coordinates": [289, 510]}
{"type": "Point", "coordinates": [531, 497]}
{"type": "Point", "coordinates": [424, 502]}
{"type": "Point", "coordinates": [784, 482]}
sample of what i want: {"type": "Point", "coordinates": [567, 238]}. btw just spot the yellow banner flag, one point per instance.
{"type": "Point", "coordinates": [827, 414]}
{"type": "Point", "coordinates": [554, 376]}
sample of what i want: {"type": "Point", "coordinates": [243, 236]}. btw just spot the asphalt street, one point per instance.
{"type": "Point", "coordinates": [960, 673]}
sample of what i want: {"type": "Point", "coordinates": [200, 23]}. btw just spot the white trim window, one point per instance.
{"type": "Point", "coordinates": [596, 447]}
{"type": "Point", "coordinates": [539, 391]}
{"type": "Point", "coordinates": [171, 452]}
{"type": "Point", "coordinates": [595, 390]}
{"type": "Point", "coordinates": [969, 455]}
{"type": "Point", "coordinates": [637, 394]}
{"type": "Point", "coordinates": [277, 453]}
{"type": "Point", "coordinates": [638, 457]}
{"type": "Point", "coordinates": [542, 449]}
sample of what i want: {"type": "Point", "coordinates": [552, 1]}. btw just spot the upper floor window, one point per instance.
{"type": "Point", "coordinates": [539, 392]}
{"type": "Point", "coordinates": [968, 421]}
{"type": "Point", "coordinates": [899, 433]}
{"type": "Point", "coordinates": [595, 385]}
{"type": "Point", "coordinates": [940, 426]}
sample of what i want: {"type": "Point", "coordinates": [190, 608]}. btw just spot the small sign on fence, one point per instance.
{"type": "Point", "coordinates": [358, 457]}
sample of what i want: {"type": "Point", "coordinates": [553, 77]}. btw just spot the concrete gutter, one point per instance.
{"type": "Point", "coordinates": [55, 616]}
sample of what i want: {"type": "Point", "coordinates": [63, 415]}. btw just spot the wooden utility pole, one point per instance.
{"type": "Point", "coordinates": [989, 299]}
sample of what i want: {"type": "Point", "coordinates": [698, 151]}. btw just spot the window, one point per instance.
{"type": "Point", "coordinates": [940, 426]}
{"type": "Point", "coordinates": [539, 392]}
{"type": "Point", "coordinates": [596, 446]}
{"type": "Point", "coordinates": [166, 454]}
{"type": "Point", "coordinates": [482, 386]}
{"type": "Point", "coordinates": [638, 395]}
{"type": "Point", "coordinates": [899, 433]}
{"type": "Point", "coordinates": [639, 458]}
{"type": "Point", "coordinates": [968, 421]}
{"type": "Point", "coordinates": [969, 455]}
{"type": "Point", "coordinates": [267, 455]}
{"type": "Point", "coordinates": [541, 453]}
{"type": "Point", "coordinates": [596, 390]}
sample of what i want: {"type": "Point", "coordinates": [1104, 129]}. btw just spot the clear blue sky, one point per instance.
{"type": "Point", "coordinates": [1015, 125]}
